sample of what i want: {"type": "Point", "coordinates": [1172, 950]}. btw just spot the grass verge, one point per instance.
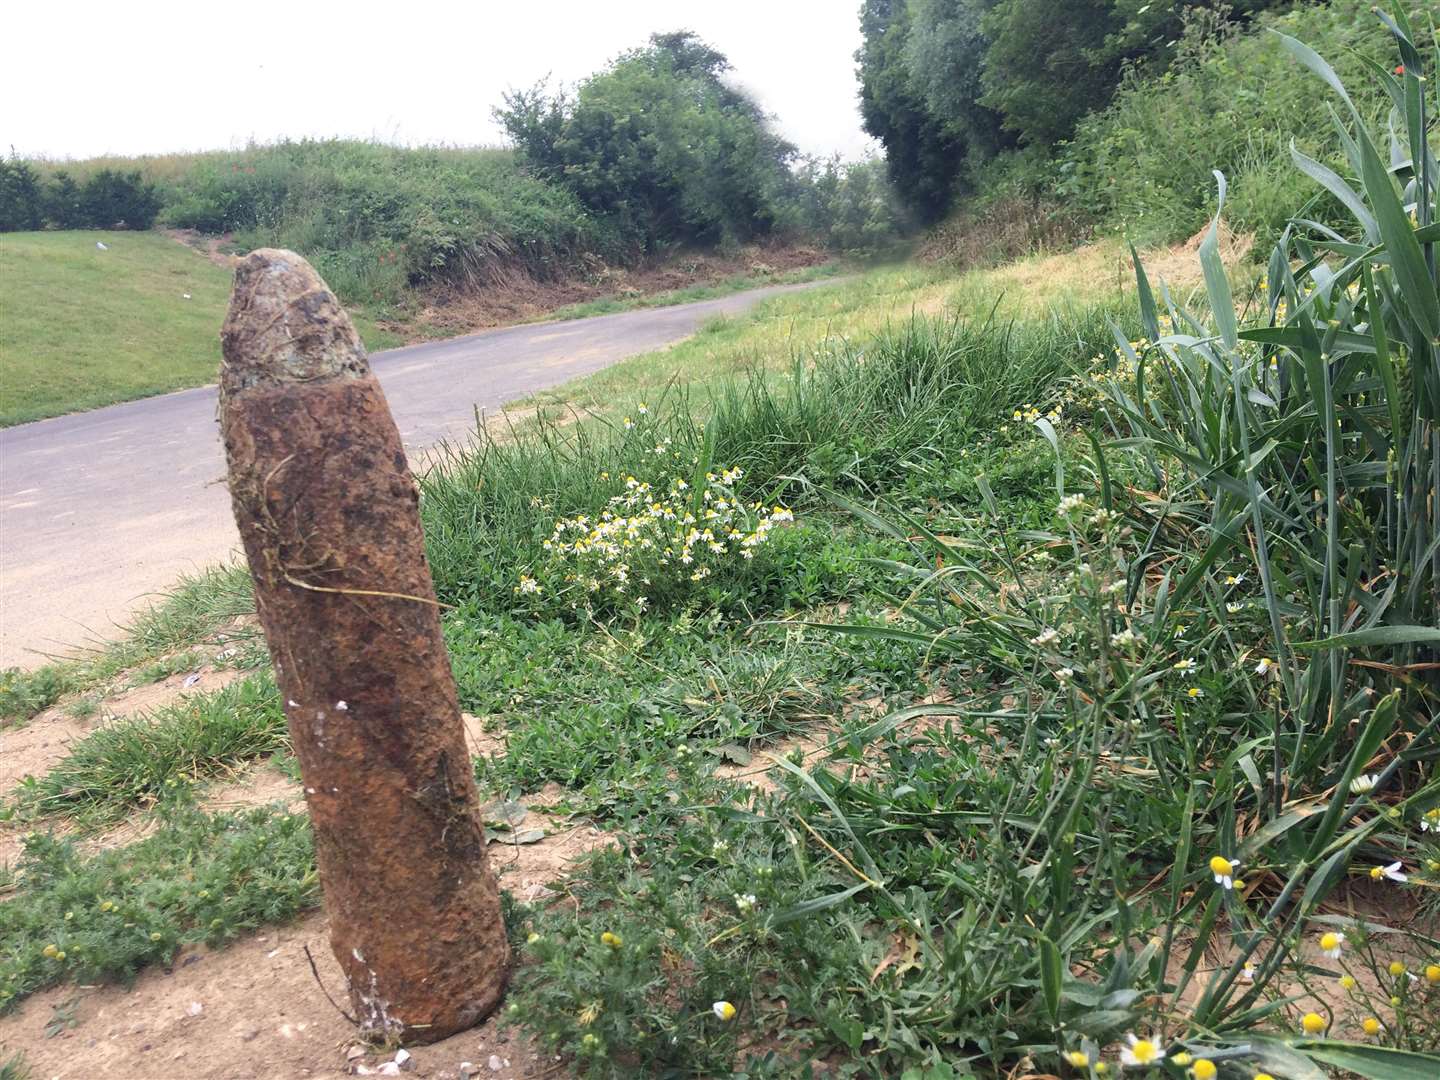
{"type": "Point", "coordinates": [86, 327]}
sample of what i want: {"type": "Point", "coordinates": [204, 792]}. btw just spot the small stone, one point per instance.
{"type": "Point", "coordinates": [356, 1051]}
{"type": "Point", "coordinates": [194, 1009]}
{"type": "Point", "coordinates": [495, 1063]}
{"type": "Point", "coordinates": [245, 1031]}
{"type": "Point", "coordinates": [402, 1057]}
{"type": "Point", "coordinates": [389, 1069]}
{"type": "Point", "coordinates": [467, 1070]}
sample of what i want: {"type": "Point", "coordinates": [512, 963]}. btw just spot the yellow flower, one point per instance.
{"type": "Point", "coordinates": [1370, 1025]}
{"type": "Point", "coordinates": [1222, 868]}
{"type": "Point", "coordinates": [1432, 973]}
{"type": "Point", "coordinates": [1100, 1068]}
{"type": "Point", "coordinates": [1313, 1023]}
{"type": "Point", "coordinates": [1181, 1059]}
{"type": "Point", "coordinates": [613, 940]}
{"type": "Point", "coordinates": [50, 951]}
{"type": "Point", "coordinates": [724, 1011]}
{"type": "Point", "coordinates": [1397, 968]}
{"type": "Point", "coordinates": [1263, 1076]}
{"type": "Point", "coordinates": [1078, 1058]}
{"type": "Point", "coordinates": [1331, 944]}
{"type": "Point", "coordinates": [1204, 1069]}
{"type": "Point", "coordinates": [532, 939]}
{"type": "Point", "coordinates": [1347, 982]}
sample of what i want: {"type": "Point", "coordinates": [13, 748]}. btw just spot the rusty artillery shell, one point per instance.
{"type": "Point", "coordinates": [328, 512]}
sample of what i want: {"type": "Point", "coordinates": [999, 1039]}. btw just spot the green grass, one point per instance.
{"type": "Point", "coordinates": [104, 917]}
{"type": "Point", "coordinates": [131, 764]}
{"type": "Point", "coordinates": [85, 328]}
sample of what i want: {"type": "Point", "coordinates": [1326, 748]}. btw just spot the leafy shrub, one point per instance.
{"type": "Point", "coordinates": [114, 200]}
{"type": "Point", "coordinates": [659, 145]}
{"type": "Point", "coordinates": [376, 219]}
{"type": "Point", "coordinates": [21, 201]}
{"type": "Point", "coordinates": [1231, 102]}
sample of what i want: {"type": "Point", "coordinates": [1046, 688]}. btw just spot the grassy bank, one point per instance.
{"type": "Point", "coordinates": [86, 327]}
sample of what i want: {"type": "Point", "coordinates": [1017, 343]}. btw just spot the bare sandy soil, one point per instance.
{"type": "Point", "coordinates": [254, 1008]}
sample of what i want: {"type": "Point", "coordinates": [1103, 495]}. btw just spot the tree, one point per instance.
{"type": "Point", "coordinates": [924, 156]}
{"type": "Point", "coordinates": [659, 145]}
{"type": "Point", "coordinates": [21, 203]}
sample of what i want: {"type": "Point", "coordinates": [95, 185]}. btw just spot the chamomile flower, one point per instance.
{"type": "Point", "coordinates": [614, 941]}
{"type": "Point", "coordinates": [1331, 944]}
{"type": "Point", "coordinates": [1203, 1069]}
{"type": "Point", "coordinates": [1224, 870]}
{"type": "Point", "coordinates": [1047, 636]}
{"type": "Point", "coordinates": [1141, 1053]}
{"type": "Point", "coordinates": [724, 1011]}
{"type": "Point", "coordinates": [1184, 666]}
{"type": "Point", "coordinates": [1430, 820]}
{"type": "Point", "coordinates": [1393, 872]}
{"type": "Point", "coordinates": [1432, 974]}
{"type": "Point", "coordinates": [1396, 968]}
{"type": "Point", "coordinates": [1364, 783]}
{"type": "Point", "coordinates": [1347, 982]}
{"type": "Point", "coordinates": [1370, 1026]}
{"type": "Point", "coordinates": [1265, 667]}
{"type": "Point", "coordinates": [1078, 1059]}
{"type": "Point", "coordinates": [1313, 1023]}
{"type": "Point", "coordinates": [1194, 692]}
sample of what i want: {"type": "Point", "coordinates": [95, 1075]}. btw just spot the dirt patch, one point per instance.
{"type": "Point", "coordinates": [252, 1009]}
{"type": "Point", "coordinates": [215, 248]}
{"type": "Point", "coordinates": [448, 310]}
{"type": "Point", "coordinates": [133, 700]}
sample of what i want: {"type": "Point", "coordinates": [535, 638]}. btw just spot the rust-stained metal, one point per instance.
{"type": "Point", "coordinates": [328, 512]}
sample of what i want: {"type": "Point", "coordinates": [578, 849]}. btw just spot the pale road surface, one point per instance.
{"type": "Point", "coordinates": [101, 510]}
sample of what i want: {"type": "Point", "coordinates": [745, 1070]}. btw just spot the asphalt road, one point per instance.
{"type": "Point", "coordinates": [100, 510]}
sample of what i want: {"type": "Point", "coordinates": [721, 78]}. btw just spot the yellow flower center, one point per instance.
{"type": "Point", "coordinates": [1377, 872]}
{"type": "Point", "coordinates": [1078, 1058]}
{"type": "Point", "coordinates": [1329, 941]}
{"type": "Point", "coordinates": [1143, 1051]}
{"type": "Point", "coordinates": [1432, 973]}
{"type": "Point", "coordinates": [1313, 1023]}
{"type": "Point", "coordinates": [1220, 865]}
{"type": "Point", "coordinates": [1347, 981]}
{"type": "Point", "coordinates": [1205, 1069]}
{"type": "Point", "coordinates": [1371, 1025]}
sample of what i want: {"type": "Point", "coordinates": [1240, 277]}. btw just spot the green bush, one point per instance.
{"type": "Point", "coordinates": [376, 219]}
{"type": "Point", "coordinates": [21, 201]}
{"type": "Point", "coordinates": [1232, 102]}
{"type": "Point", "coordinates": [660, 146]}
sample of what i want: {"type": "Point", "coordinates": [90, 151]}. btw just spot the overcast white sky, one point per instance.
{"type": "Point", "coordinates": [88, 78]}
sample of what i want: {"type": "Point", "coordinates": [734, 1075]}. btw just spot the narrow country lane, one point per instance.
{"type": "Point", "coordinates": [100, 510]}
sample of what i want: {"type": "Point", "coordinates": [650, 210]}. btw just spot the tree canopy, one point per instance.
{"type": "Point", "coordinates": [661, 144]}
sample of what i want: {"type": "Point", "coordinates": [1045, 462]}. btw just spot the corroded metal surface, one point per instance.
{"type": "Point", "coordinates": [327, 510]}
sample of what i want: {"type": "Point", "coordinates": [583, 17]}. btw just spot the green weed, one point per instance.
{"type": "Point", "coordinates": [103, 917]}
{"type": "Point", "coordinates": [138, 761]}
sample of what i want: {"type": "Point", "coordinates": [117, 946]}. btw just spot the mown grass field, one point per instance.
{"type": "Point", "coordinates": [85, 327]}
